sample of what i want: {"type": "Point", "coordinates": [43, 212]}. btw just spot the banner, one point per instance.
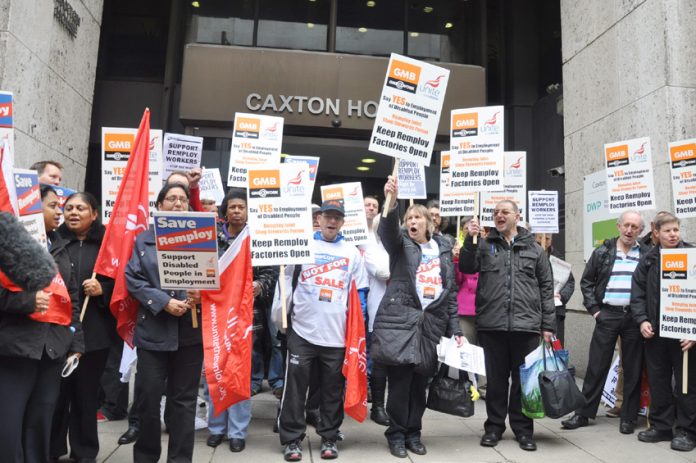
{"type": "Point", "coordinates": [543, 211]}
{"type": "Point", "coordinates": [630, 175]}
{"type": "Point", "coordinates": [409, 109]}
{"type": "Point", "coordinates": [355, 360]}
{"type": "Point", "coordinates": [181, 152]}
{"type": "Point", "coordinates": [597, 224]}
{"type": "Point", "coordinates": [515, 188]}
{"type": "Point", "coordinates": [211, 185]}
{"type": "Point", "coordinates": [256, 140]}
{"type": "Point", "coordinates": [477, 136]}
{"type": "Point", "coordinates": [354, 227]}
{"type": "Point", "coordinates": [411, 177]}
{"type": "Point", "coordinates": [280, 215]}
{"type": "Point", "coordinates": [26, 186]}
{"type": "Point", "coordinates": [682, 162]}
{"type": "Point", "coordinates": [227, 317]}
{"type": "Point", "coordinates": [117, 144]}
{"type": "Point", "coordinates": [8, 200]}
{"type": "Point", "coordinates": [677, 287]}
{"type": "Point", "coordinates": [453, 200]}
{"type": "Point", "coordinates": [187, 251]}
{"type": "Point", "coordinates": [311, 161]}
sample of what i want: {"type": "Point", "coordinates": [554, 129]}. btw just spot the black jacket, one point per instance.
{"type": "Point", "coordinates": [155, 328]}
{"type": "Point", "coordinates": [515, 286]}
{"type": "Point", "coordinates": [597, 272]}
{"type": "Point", "coordinates": [20, 336]}
{"type": "Point", "coordinates": [98, 325]}
{"type": "Point", "coordinates": [403, 332]}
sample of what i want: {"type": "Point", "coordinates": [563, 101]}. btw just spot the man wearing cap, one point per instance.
{"type": "Point", "coordinates": [318, 308]}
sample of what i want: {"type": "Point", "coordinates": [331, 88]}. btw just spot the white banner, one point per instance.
{"type": "Point", "coordinates": [211, 185]}
{"type": "Point", "coordinates": [677, 287]}
{"type": "Point", "coordinates": [256, 140]}
{"type": "Point", "coordinates": [515, 183]}
{"type": "Point", "coordinates": [453, 201]}
{"type": "Point", "coordinates": [630, 175]}
{"type": "Point", "coordinates": [181, 152]}
{"type": "Point", "coordinates": [682, 161]}
{"type": "Point", "coordinates": [411, 177]}
{"type": "Point", "coordinates": [543, 211]}
{"type": "Point", "coordinates": [354, 228]}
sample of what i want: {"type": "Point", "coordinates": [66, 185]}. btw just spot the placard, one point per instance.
{"type": "Point", "coordinates": [211, 185]}
{"type": "Point", "coordinates": [354, 229]}
{"type": "Point", "coordinates": [630, 175]}
{"type": "Point", "coordinates": [677, 287]}
{"type": "Point", "coordinates": [543, 211]}
{"type": "Point", "coordinates": [26, 186]}
{"type": "Point", "coordinates": [411, 176]}
{"type": "Point", "coordinates": [598, 223]}
{"type": "Point", "coordinates": [515, 184]}
{"type": "Point", "coordinates": [7, 144]}
{"type": "Point", "coordinates": [280, 215]}
{"type": "Point", "coordinates": [187, 252]}
{"type": "Point", "coordinates": [477, 136]}
{"type": "Point", "coordinates": [409, 109]}
{"type": "Point", "coordinates": [682, 162]}
{"type": "Point", "coordinates": [311, 161]}
{"type": "Point", "coordinates": [256, 140]}
{"type": "Point", "coordinates": [453, 200]}
{"type": "Point", "coordinates": [116, 149]}
{"type": "Point", "coordinates": [181, 152]}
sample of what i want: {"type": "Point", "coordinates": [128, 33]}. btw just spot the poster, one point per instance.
{"type": "Point", "coordinates": [477, 137]}
{"type": "Point", "coordinates": [211, 185]}
{"type": "Point", "coordinates": [7, 144]}
{"type": "Point", "coordinates": [312, 162]}
{"type": "Point", "coordinates": [630, 175]}
{"type": "Point", "coordinates": [515, 188]}
{"type": "Point", "coordinates": [453, 201]}
{"type": "Point", "coordinates": [181, 152]}
{"type": "Point", "coordinates": [26, 186]}
{"type": "Point", "coordinates": [280, 215]}
{"type": "Point", "coordinates": [256, 140]}
{"type": "Point", "coordinates": [116, 148]}
{"type": "Point", "coordinates": [354, 228]}
{"type": "Point", "coordinates": [409, 109]}
{"type": "Point", "coordinates": [411, 176]}
{"type": "Point", "coordinates": [682, 162]}
{"type": "Point", "coordinates": [677, 287]}
{"type": "Point", "coordinates": [598, 223]}
{"type": "Point", "coordinates": [543, 211]}
{"type": "Point", "coordinates": [187, 253]}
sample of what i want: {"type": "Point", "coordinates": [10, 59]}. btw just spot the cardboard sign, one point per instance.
{"type": "Point", "coordinates": [477, 137]}
{"type": "Point", "coordinates": [187, 252]}
{"type": "Point", "coordinates": [26, 186]}
{"type": "Point", "coordinates": [411, 177]}
{"type": "Point", "coordinates": [543, 211]}
{"type": "Point", "coordinates": [682, 162]}
{"type": "Point", "coordinates": [181, 152]}
{"type": "Point", "coordinates": [453, 201]}
{"type": "Point", "coordinates": [280, 215]}
{"type": "Point", "coordinates": [116, 148]}
{"type": "Point", "coordinates": [677, 286]}
{"type": "Point", "coordinates": [354, 228]}
{"type": "Point", "coordinates": [256, 140]}
{"type": "Point", "coordinates": [409, 109]}
{"type": "Point", "coordinates": [7, 145]}
{"type": "Point", "coordinates": [515, 188]}
{"type": "Point", "coordinates": [598, 223]}
{"type": "Point", "coordinates": [211, 185]}
{"type": "Point", "coordinates": [630, 175]}
{"type": "Point", "coordinates": [312, 163]}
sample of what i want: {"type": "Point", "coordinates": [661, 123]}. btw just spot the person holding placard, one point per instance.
{"type": "Point", "coordinates": [663, 356]}
{"type": "Point", "coordinates": [514, 305]}
{"type": "Point", "coordinates": [421, 293]}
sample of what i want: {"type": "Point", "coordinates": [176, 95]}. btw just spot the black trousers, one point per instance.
{"type": "Point", "coordinates": [609, 326]}
{"type": "Point", "coordinates": [329, 363]}
{"type": "Point", "coordinates": [663, 357]}
{"type": "Point", "coordinates": [505, 352]}
{"type": "Point", "coordinates": [405, 403]}
{"type": "Point", "coordinates": [180, 370]}
{"type": "Point", "coordinates": [76, 409]}
{"type": "Point", "coordinates": [113, 394]}
{"type": "Point", "coordinates": [28, 394]}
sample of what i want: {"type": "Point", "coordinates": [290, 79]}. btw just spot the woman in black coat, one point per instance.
{"type": "Point", "coordinates": [78, 401]}
{"type": "Point", "coordinates": [33, 352]}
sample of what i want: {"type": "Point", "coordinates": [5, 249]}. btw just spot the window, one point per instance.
{"type": "Point", "coordinates": [370, 27]}
{"type": "Point", "coordinates": [294, 24]}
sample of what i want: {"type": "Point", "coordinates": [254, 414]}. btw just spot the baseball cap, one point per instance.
{"type": "Point", "coordinates": [333, 205]}
{"type": "Point", "coordinates": [315, 208]}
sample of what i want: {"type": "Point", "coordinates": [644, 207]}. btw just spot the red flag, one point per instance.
{"type": "Point", "coordinates": [355, 362]}
{"type": "Point", "coordinates": [59, 305]}
{"type": "Point", "coordinates": [228, 316]}
{"type": "Point", "coordinates": [129, 218]}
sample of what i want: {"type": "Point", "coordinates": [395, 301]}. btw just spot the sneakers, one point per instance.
{"type": "Point", "coordinates": [614, 412]}
{"type": "Point", "coordinates": [100, 417]}
{"type": "Point", "coordinates": [293, 451]}
{"type": "Point", "coordinates": [328, 450]}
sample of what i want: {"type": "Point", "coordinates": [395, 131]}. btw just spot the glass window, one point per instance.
{"type": "Point", "coordinates": [370, 27]}
{"type": "Point", "coordinates": [294, 24]}
{"type": "Point", "coordinates": [221, 22]}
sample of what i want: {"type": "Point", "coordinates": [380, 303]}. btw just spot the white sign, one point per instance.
{"type": "Point", "coordinates": [181, 152]}
{"type": "Point", "coordinates": [677, 287]}
{"type": "Point", "coordinates": [468, 357]}
{"type": "Point", "coordinates": [515, 183]}
{"type": "Point", "coordinates": [411, 177]}
{"type": "Point", "coordinates": [597, 224]}
{"type": "Point", "coordinates": [453, 200]}
{"type": "Point", "coordinates": [354, 228]}
{"type": "Point", "coordinates": [409, 109]}
{"type": "Point", "coordinates": [543, 211]}
{"type": "Point", "coordinates": [312, 163]}
{"type": "Point", "coordinates": [211, 185]}
{"type": "Point", "coordinates": [682, 161]}
{"type": "Point", "coordinates": [256, 140]}
{"type": "Point", "coordinates": [630, 175]}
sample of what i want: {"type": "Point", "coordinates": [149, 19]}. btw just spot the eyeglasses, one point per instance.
{"type": "Point", "coordinates": [174, 199]}
{"type": "Point", "coordinates": [502, 212]}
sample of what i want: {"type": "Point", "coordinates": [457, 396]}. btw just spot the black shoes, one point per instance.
{"type": "Point", "coordinates": [683, 443]}
{"type": "Point", "coordinates": [653, 435]}
{"type": "Point", "coordinates": [577, 421]}
{"type": "Point", "coordinates": [214, 440]}
{"type": "Point", "coordinates": [490, 439]}
{"type": "Point", "coordinates": [128, 437]}
{"type": "Point", "coordinates": [379, 415]}
{"type": "Point", "coordinates": [527, 443]}
{"type": "Point", "coordinates": [416, 447]}
{"type": "Point", "coordinates": [398, 449]}
{"type": "Point", "coordinates": [237, 445]}
{"type": "Point", "coordinates": [627, 427]}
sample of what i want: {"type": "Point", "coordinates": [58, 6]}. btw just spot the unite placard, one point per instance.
{"type": "Point", "coordinates": [354, 228]}
{"type": "Point", "coordinates": [409, 109]}
{"type": "Point", "coordinates": [630, 175]}
{"type": "Point", "coordinates": [515, 183]}
{"type": "Point", "coordinates": [453, 201]}
{"type": "Point", "coordinates": [677, 290]}
{"type": "Point", "coordinates": [682, 163]}
{"type": "Point", "coordinates": [256, 140]}
{"type": "Point", "coordinates": [543, 211]}
{"type": "Point", "coordinates": [312, 163]}
{"type": "Point", "coordinates": [181, 152]}
{"type": "Point", "coordinates": [26, 186]}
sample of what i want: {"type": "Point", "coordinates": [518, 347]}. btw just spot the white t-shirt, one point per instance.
{"type": "Point", "coordinates": [428, 277]}
{"type": "Point", "coordinates": [320, 301]}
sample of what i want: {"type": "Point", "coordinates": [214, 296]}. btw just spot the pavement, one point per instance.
{"type": "Point", "coordinates": [448, 439]}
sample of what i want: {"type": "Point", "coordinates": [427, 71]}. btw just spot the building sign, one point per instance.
{"type": "Point", "coordinates": [597, 224]}
{"type": "Point", "coordinates": [298, 104]}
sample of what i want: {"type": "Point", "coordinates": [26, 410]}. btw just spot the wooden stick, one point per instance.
{"type": "Point", "coordinates": [543, 241]}
{"type": "Point", "coordinates": [410, 202]}
{"type": "Point", "coordinates": [194, 316]}
{"type": "Point", "coordinates": [387, 202]}
{"type": "Point", "coordinates": [84, 304]}
{"type": "Point", "coordinates": [685, 372]}
{"type": "Point", "coordinates": [458, 229]}
{"type": "Point", "coordinates": [283, 304]}
{"type": "Point", "coordinates": [476, 211]}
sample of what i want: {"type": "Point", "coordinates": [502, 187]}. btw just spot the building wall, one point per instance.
{"type": "Point", "coordinates": [52, 77]}
{"type": "Point", "coordinates": [626, 74]}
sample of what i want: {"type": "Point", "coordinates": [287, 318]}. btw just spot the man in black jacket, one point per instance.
{"type": "Point", "coordinates": [514, 304]}
{"type": "Point", "coordinates": [606, 291]}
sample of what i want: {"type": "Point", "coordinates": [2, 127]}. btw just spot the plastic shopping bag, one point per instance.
{"type": "Point", "coordinates": [532, 404]}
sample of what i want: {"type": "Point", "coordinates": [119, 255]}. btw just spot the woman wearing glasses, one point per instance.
{"type": "Point", "coordinates": [170, 350]}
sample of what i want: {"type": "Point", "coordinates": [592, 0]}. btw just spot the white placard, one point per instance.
{"type": "Point", "coordinates": [354, 228]}
{"type": "Point", "coordinates": [561, 274]}
{"type": "Point", "coordinates": [543, 211]}
{"type": "Point", "coordinates": [411, 177]}
{"type": "Point", "coordinates": [312, 163]}
{"type": "Point", "coordinates": [677, 287]}
{"type": "Point", "coordinates": [630, 175]}
{"type": "Point", "coordinates": [453, 200]}
{"type": "Point", "coordinates": [181, 152]}
{"type": "Point", "coordinates": [682, 161]}
{"type": "Point", "coordinates": [211, 185]}
{"type": "Point", "coordinates": [515, 183]}
{"type": "Point", "coordinates": [256, 140]}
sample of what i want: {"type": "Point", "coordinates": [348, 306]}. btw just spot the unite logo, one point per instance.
{"type": "Point", "coordinates": [617, 156]}
{"type": "Point", "coordinates": [117, 146]}
{"type": "Point", "coordinates": [640, 155]}
{"type": "Point", "coordinates": [464, 125]}
{"type": "Point", "coordinates": [491, 126]}
{"type": "Point", "coordinates": [294, 186]}
{"type": "Point", "coordinates": [674, 266]}
{"type": "Point", "coordinates": [403, 76]}
{"type": "Point", "coordinates": [333, 193]}
{"type": "Point", "coordinates": [271, 132]}
{"type": "Point", "coordinates": [247, 127]}
{"type": "Point", "coordinates": [683, 155]}
{"type": "Point", "coordinates": [264, 183]}
{"type": "Point", "coordinates": [515, 169]}
{"type": "Point", "coordinates": [431, 87]}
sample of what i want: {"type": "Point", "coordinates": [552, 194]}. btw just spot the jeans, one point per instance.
{"type": "Point", "coordinates": [234, 421]}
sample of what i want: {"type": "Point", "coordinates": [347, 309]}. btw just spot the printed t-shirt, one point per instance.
{"type": "Point", "coordinates": [428, 277]}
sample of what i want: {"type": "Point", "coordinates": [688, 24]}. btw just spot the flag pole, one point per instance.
{"type": "Point", "coordinates": [84, 304]}
{"type": "Point", "coordinates": [194, 316]}
{"type": "Point", "coordinates": [685, 372]}
{"type": "Point", "coordinates": [387, 201]}
{"type": "Point", "coordinates": [476, 212]}
{"type": "Point", "coordinates": [283, 304]}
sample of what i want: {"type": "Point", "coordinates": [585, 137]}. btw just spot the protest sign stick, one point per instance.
{"type": "Point", "coordinates": [84, 304]}
{"type": "Point", "coordinates": [283, 304]}
{"type": "Point", "coordinates": [458, 228]}
{"type": "Point", "coordinates": [194, 317]}
{"type": "Point", "coordinates": [476, 211]}
{"type": "Point", "coordinates": [387, 202]}
{"type": "Point", "coordinates": [543, 241]}
{"type": "Point", "coordinates": [410, 202]}
{"type": "Point", "coordinates": [685, 371]}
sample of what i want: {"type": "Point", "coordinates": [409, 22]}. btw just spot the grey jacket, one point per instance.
{"type": "Point", "coordinates": [515, 286]}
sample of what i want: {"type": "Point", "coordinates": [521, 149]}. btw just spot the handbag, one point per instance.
{"type": "Point", "coordinates": [451, 396]}
{"type": "Point", "coordinates": [559, 393]}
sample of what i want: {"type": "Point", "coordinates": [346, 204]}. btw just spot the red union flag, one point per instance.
{"type": "Point", "coordinates": [129, 217]}
{"type": "Point", "coordinates": [59, 304]}
{"type": "Point", "coordinates": [228, 316]}
{"type": "Point", "coordinates": [355, 362]}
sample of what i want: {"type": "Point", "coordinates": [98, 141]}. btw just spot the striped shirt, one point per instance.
{"type": "Point", "coordinates": [618, 292]}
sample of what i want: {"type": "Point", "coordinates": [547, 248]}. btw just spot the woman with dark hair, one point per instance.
{"type": "Point", "coordinates": [37, 331]}
{"type": "Point", "coordinates": [170, 352]}
{"type": "Point", "coordinates": [78, 401]}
